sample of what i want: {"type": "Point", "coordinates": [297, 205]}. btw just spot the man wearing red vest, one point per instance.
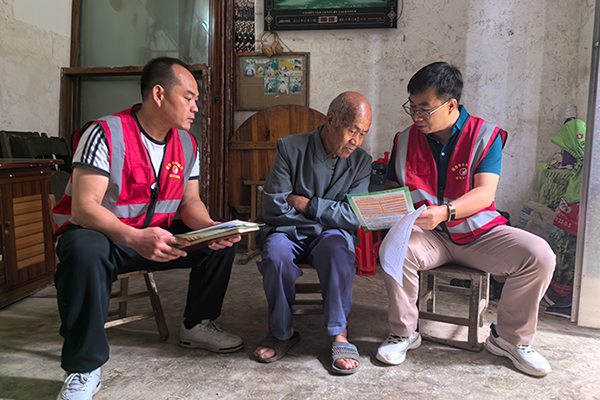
{"type": "Point", "coordinates": [132, 172]}
{"type": "Point", "coordinates": [451, 163]}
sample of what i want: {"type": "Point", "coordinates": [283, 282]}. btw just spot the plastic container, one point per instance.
{"type": "Point", "coordinates": [367, 252]}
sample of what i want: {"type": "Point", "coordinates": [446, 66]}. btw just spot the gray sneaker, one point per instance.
{"type": "Point", "coordinates": [524, 357]}
{"type": "Point", "coordinates": [210, 336]}
{"type": "Point", "coordinates": [80, 385]}
{"type": "Point", "coordinates": [393, 349]}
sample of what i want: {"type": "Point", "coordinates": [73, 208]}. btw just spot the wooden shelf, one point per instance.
{"type": "Point", "coordinates": [27, 259]}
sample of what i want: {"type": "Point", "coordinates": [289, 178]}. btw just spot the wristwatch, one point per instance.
{"type": "Point", "coordinates": [451, 212]}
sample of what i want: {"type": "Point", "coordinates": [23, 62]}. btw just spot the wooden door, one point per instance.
{"type": "Point", "coordinates": [252, 147]}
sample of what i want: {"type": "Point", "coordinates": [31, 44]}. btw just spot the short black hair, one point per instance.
{"type": "Point", "coordinates": [160, 72]}
{"type": "Point", "coordinates": [446, 79]}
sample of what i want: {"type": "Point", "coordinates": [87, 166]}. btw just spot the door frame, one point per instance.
{"type": "Point", "coordinates": [585, 310]}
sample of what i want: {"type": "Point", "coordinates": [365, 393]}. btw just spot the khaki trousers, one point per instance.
{"type": "Point", "coordinates": [526, 261]}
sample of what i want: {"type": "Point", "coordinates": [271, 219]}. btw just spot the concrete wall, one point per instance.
{"type": "Point", "coordinates": [34, 45]}
{"type": "Point", "coordinates": [584, 53]}
{"type": "Point", "coordinates": [523, 63]}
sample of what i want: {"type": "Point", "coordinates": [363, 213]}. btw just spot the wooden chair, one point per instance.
{"type": "Point", "coordinates": [478, 301]}
{"type": "Point", "coordinates": [309, 299]}
{"type": "Point", "coordinates": [122, 296]}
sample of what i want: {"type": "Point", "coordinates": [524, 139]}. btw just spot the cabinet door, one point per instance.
{"type": "Point", "coordinates": [27, 243]}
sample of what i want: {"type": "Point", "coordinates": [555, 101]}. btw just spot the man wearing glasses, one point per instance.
{"type": "Point", "coordinates": [451, 162]}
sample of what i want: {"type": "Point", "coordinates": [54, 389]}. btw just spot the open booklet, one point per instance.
{"type": "Point", "coordinates": [381, 210]}
{"type": "Point", "coordinates": [388, 209]}
{"type": "Point", "coordinates": [206, 236]}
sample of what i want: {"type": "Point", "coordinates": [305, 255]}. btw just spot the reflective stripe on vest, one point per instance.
{"type": "Point", "coordinates": [466, 229]}
{"type": "Point", "coordinates": [113, 191]}
{"type": "Point", "coordinates": [401, 149]}
{"type": "Point", "coordinates": [135, 210]}
{"type": "Point", "coordinates": [188, 151]}
{"type": "Point", "coordinates": [421, 196]}
{"type": "Point", "coordinates": [482, 145]}
{"type": "Point", "coordinates": [60, 220]}
{"type": "Point", "coordinates": [478, 220]}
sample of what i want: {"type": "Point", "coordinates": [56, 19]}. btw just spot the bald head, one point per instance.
{"type": "Point", "coordinates": [347, 107]}
{"type": "Point", "coordinates": [348, 120]}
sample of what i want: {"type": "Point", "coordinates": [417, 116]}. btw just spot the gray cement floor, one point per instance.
{"type": "Point", "coordinates": [143, 367]}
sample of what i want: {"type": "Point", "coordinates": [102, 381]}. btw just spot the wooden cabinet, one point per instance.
{"type": "Point", "coordinates": [27, 259]}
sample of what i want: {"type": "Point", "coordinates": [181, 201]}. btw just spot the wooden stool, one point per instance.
{"type": "Point", "coordinates": [479, 299]}
{"type": "Point", "coordinates": [307, 291]}
{"type": "Point", "coordinates": [123, 296]}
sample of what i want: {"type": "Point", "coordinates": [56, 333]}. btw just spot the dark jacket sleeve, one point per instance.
{"type": "Point", "coordinates": [279, 184]}
{"type": "Point", "coordinates": [339, 214]}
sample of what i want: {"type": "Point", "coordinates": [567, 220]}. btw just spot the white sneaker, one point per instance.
{"type": "Point", "coordinates": [209, 335]}
{"type": "Point", "coordinates": [524, 357]}
{"type": "Point", "coordinates": [393, 349]}
{"type": "Point", "coordinates": [80, 386]}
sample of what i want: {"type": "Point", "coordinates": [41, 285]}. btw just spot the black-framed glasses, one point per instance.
{"type": "Point", "coordinates": [421, 113]}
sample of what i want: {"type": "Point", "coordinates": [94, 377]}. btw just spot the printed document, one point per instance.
{"type": "Point", "coordinates": [393, 247]}
{"type": "Point", "coordinates": [381, 210]}
{"type": "Point", "coordinates": [206, 236]}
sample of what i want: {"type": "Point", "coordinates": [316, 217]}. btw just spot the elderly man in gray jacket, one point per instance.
{"type": "Point", "coordinates": [308, 219]}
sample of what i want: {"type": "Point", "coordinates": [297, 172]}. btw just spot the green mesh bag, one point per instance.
{"type": "Point", "coordinates": [553, 185]}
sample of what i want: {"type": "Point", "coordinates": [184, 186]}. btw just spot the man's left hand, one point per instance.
{"type": "Point", "coordinates": [432, 217]}
{"type": "Point", "coordinates": [221, 244]}
{"type": "Point", "coordinates": [300, 203]}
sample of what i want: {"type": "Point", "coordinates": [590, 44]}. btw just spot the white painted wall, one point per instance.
{"type": "Point", "coordinates": [34, 45]}
{"type": "Point", "coordinates": [523, 63]}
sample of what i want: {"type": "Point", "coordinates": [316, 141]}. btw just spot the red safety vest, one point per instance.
{"type": "Point", "coordinates": [416, 168]}
{"type": "Point", "coordinates": [129, 195]}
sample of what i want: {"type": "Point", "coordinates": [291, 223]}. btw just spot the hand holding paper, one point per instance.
{"type": "Point", "coordinates": [393, 247]}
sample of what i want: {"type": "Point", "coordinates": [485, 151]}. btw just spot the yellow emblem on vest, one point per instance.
{"type": "Point", "coordinates": [462, 171]}
{"type": "Point", "coordinates": [175, 170]}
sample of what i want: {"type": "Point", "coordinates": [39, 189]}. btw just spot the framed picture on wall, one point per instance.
{"type": "Point", "coordinates": [285, 15]}
{"type": "Point", "coordinates": [262, 82]}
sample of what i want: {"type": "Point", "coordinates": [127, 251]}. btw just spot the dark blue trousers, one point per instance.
{"type": "Point", "coordinates": [89, 264]}
{"type": "Point", "coordinates": [329, 254]}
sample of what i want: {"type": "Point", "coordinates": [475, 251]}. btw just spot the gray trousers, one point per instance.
{"type": "Point", "coordinates": [526, 261]}
{"type": "Point", "coordinates": [328, 253]}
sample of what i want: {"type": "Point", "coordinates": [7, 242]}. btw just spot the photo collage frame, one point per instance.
{"type": "Point", "coordinates": [262, 81]}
